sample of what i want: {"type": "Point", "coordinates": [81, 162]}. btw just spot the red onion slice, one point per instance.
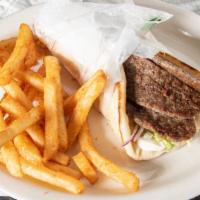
{"type": "Point", "coordinates": [135, 130]}
{"type": "Point", "coordinates": [138, 134]}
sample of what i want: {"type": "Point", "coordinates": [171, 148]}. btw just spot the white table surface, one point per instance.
{"type": "Point", "coordinates": [8, 7]}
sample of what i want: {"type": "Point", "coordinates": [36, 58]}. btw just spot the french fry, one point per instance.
{"type": "Point", "coordinates": [85, 167]}
{"type": "Point", "coordinates": [7, 44]}
{"type": "Point", "coordinates": [31, 57]}
{"type": "Point", "coordinates": [1, 158]}
{"type": "Point", "coordinates": [33, 94]}
{"type": "Point", "coordinates": [36, 80]}
{"type": "Point", "coordinates": [41, 71]}
{"type": "Point", "coordinates": [8, 154]}
{"type": "Point", "coordinates": [51, 120]}
{"type": "Point", "coordinates": [18, 56]}
{"type": "Point", "coordinates": [67, 170]}
{"type": "Point", "coordinates": [33, 78]}
{"type": "Point", "coordinates": [19, 125]}
{"type": "Point", "coordinates": [4, 55]}
{"type": "Point", "coordinates": [27, 149]}
{"type": "Point", "coordinates": [37, 134]}
{"type": "Point", "coordinates": [71, 101]}
{"type": "Point", "coordinates": [53, 73]}
{"type": "Point", "coordinates": [61, 158]}
{"type": "Point", "coordinates": [11, 159]}
{"type": "Point", "coordinates": [58, 179]}
{"type": "Point", "coordinates": [14, 108]}
{"type": "Point", "coordinates": [2, 122]}
{"type": "Point", "coordinates": [104, 165]}
{"type": "Point", "coordinates": [6, 48]}
{"type": "Point", "coordinates": [17, 93]}
{"type": "Point", "coordinates": [84, 99]}
{"type": "Point", "coordinates": [2, 127]}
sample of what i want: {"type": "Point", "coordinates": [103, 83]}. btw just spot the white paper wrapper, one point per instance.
{"type": "Point", "coordinates": [96, 36]}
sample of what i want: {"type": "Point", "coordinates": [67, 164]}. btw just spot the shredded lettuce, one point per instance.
{"type": "Point", "coordinates": [159, 140]}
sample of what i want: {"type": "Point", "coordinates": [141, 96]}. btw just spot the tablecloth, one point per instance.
{"type": "Point", "coordinates": [8, 7]}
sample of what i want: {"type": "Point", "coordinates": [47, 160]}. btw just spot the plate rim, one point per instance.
{"type": "Point", "coordinates": [26, 12]}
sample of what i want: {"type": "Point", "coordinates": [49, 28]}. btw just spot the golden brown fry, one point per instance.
{"type": "Point", "coordinates": [62, 127]}
{"type": "Point", "coordinates": [2, 122]}
{"type": "Point", "coordinates": [57, 136]}
{"type": "Point", "coordinates": [7, 44]}
{"type": "Point", "coordinates": [64, 169]}
{"type": "Point", "coordinates": [85, 167]}
{"type": "Point", "coordinates": [128, 179]}
{"type": "Point", "coordinates": [41, 71]}
{"type": "Point", "coordinates": [84, 99]}
{"type": "Point", "coordinates": [4, 55]}
{"type": "Point", "coordinates": [31, 57]}
{"type": "Point", "coordinates": [6, 48]}
{"type": "Point", "coordinates": [37, 134]}
{"type": "Point", "coordinates": [53, 72]}
{"type": "Point", "coordinates": [58, 179]}
{"type": "Point", "coordinates": [51, 120]}
{"type": "Point", "coordinates": [18, 94]}
{"type": "Point", "coordinates": [33, 78]}
{"type": "Point", "coordinates": [2, 127]}
{"type": "Point", "coordinates": [71, 101]}
{"type": "Point", "coordinates": [1, 158]}
{"type": "Point", "coordinates": [11, 159]}
{"type": "Point", "coordinates": [33, 94]}
{"type": "Point", "coordinates": [19, 125]}
{"type": "Point", "coordinates": [8, 154]}
{"type": "Point", "coordinates": [27, 149]}
{"type": "Point", "coordinates": [61, 158]}
{"type": "Point", "coordinates": [18, 56]}
{"type": "Point", "coordinates": [14, 108]}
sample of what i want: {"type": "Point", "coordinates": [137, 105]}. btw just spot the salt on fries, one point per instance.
{"type": "Point", "coordinates": [44, 121]}
{"type": "Point", "coordinates": [104, 165]}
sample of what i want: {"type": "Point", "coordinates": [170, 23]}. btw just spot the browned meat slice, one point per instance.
{"type": "Point", "coordinates": [154, 88]}
{"type": "Point", "coordinates": [175, 129]}
{"type": "Point", "coordinates": [179, 69]}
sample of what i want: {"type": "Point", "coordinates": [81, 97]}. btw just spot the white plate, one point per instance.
{"type": "Point", "coordinates": [175, 175]}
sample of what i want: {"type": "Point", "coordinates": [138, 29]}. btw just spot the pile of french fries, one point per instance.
{"type": "Point", "coordinates": [40, 122]}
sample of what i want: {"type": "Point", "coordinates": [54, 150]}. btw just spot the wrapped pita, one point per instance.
{"type": "Point", "coordinates": [88, 36]}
